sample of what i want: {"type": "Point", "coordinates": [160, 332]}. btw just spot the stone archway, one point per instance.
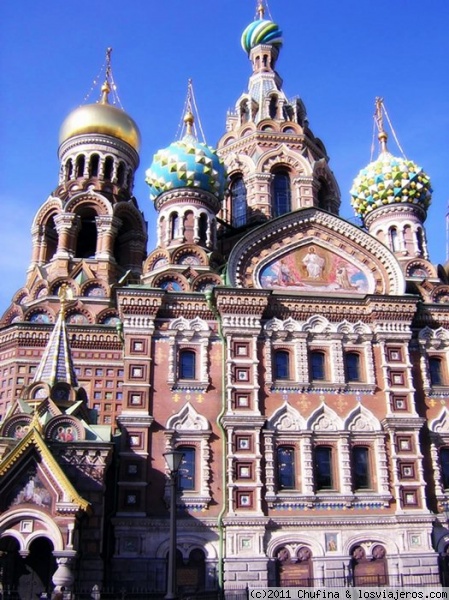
{"type": "Point", "coordinates": [369, 570]}
{"type": "Point", "coordinates": [26, 574]}
{"type": "Point", "coordinates": [294, 568]}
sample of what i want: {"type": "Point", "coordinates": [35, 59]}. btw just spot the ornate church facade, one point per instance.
{"type": "Point", "coordinates": [298, 361]}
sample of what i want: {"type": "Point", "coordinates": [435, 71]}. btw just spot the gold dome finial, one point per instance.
{"type": "Point", "coordinates": [106, 87]}
{"type": "Point", "coordinates": [260, 10]}
{"type": "Point", "coordinates": [189, 120]}
{"type": "Point", "coordinates": [379, 118]}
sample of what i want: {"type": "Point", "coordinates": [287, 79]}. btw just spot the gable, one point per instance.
{"type": "Point", "coordinates": [310, 250]}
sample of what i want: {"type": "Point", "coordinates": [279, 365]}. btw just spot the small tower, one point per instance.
{"type": "Point", "coordinates": [391, 196]}
{"type": "Point", "coordinates": [274, 162]}
{"type": "Point", "coordinates": [186, 182]}
{"type": "Point", "coordinates": [92, 215]}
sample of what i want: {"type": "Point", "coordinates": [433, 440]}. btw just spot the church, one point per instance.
{"type": "Point", "coordinates": [297, 360]}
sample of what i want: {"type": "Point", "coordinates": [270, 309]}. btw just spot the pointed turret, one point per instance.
{"type": "Point", "coordinates": [275, 163]}
{"type": "Point", "coordinates": [56, 364]}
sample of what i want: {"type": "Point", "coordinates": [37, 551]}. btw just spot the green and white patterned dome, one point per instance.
{"type": "Point", "coordinates": [390, 180]}
{"type": "Point", "coordinates": [261, 31]}
{"type": "Point", "coordinates": [186, 163]}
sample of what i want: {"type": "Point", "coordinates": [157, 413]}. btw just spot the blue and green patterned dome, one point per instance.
{"type": "Point", "coordinates": [390, 180]}
{"type": "Point", "coordinates": [186, 163]}
{"type": "Point", "coordinates": [261, 31]}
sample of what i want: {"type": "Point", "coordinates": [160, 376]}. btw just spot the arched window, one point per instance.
{"type": "Point", "coordinates": [317, 370]}
{"type": "Point", "coordinates": [352, 366]}
{"type": "Point", "coordinates": [360, 468]}
{"type": "Point", "coordinates": [435, 370]}
{"type": "Point", "coordinates": [420, 240]}
{"type": "Point", "coordinates": [444, 466]}
{"type": "Point", "coordinates": [285, 468]}
{"type": "Point", "coordinates": [68, 169]}
{"type": "Point", "coordinates": [281, 364]}
{"type": "Point", "coordinates": [323, 468]}
{"type": "Point", "coordinates": [94, 163]}
{"type": "Point", "coordinates": [174, 226]}
{"type": "Point", "coordinates": [108, 168]}
{"type": "Point", "coordinates": [202, 228]}
{"type": "Point", "coordinates": [394, 239]}
{"type": "Point", "coordinates": [187, 359]}
{"type": "Point", "coordinates": [238, 201]}
{"type": "Point", "coordinates": [80, 166]}
{"type": "Point", "coordinates": [280, 193]}
{"type": "Point", "coordinates": [273, 109]}
{"type": "Point", "coordinates": [186, 472]}
{"type": "Point", "coordinates": [121, 174]}
{"type": "Point", "coordinates": [86, 245]}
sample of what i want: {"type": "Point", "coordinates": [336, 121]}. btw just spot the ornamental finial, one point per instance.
{"type": "Point", "coordinates": [379, 118]}
{"type": "Point", "coordinates": [260, 10]}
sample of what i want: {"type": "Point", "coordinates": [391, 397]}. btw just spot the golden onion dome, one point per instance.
{"type": "Point", "coordinates": [102, 118]}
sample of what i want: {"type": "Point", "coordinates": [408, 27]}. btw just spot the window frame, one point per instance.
{"type": "Point", "coordinates": [291, 465]}
{"type": "Point", "coordinates": [184, 371]}
{"type": "Point", "coordinates": [367, 475]}
{"type": "Point", "coordinates": [351, 368]}
{"type": "Point", "coordinates": [279, 205]}
{"type": "Point", "coordinates": [189, 459]}
{"type": "Point", "coordinates": [239, 206]}
{"type": "Point", "coordinates": [434, 361]}
{"type": "Point", "coordinates": [277, 368]}
{"type": "Point", "coordinates": [322, 355]}
{"type": "Point", "coordinates": [320, 487]}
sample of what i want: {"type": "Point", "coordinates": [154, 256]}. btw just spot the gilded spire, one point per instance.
{"type": "Point", "coordinates": [56, 363]}
{"type": "Point", "coordinates": [260, 10]}
{"type": "Point", "coordinates": [106, 87]}
{"type": "Point", "coordinates": [379, 118]}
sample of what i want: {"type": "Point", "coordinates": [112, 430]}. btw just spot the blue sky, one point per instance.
{"type": "Point", "coordinates": [337, 56]}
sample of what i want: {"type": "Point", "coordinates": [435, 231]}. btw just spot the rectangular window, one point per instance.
{"type": "Point", "coordinates": [244, 471]}
{"type": "Point", "coordinates": [407, 470]}
{"type": "Point", "coordinates": [399, 402]}
{"type": "Point", "coordinates": [281, 364]}
{"type": "Point", "coordinates": [243, 442]}
{"type": "Point", "coordinates": [394, 354]}
{"type": "Point", "coordinates": [323, 468]}
{"type": "Point", "coordinates": [317, 366]}
{"type": "Point", "coordinates": [286, 468]}
{"type": "Point", "coordinates": [186, 472]}
{"type": "Point", "coordinates": [444, 465]}
{"type": "Point", "coordinates": [187, 359]}
{"type": "Point", "coordinates": [435, 370]}
{"type": "Point", "coordinates": [352, 365]}
{"type": "Point", "coordinates": [360, 468]}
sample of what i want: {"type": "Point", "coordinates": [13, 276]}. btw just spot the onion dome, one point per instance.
{"type": "Point", "coordinates": [186, 163]}
{"type": "Point", "coordinates": [389, 180]}
{"type": "Point", "coordinates": [261, 31]}
{"type": "Point", "coordinates": [102, 118]}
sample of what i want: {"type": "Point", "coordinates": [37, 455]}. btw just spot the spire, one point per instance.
{"type": "Point", "coordinates": [106, 87]}
{"type": "Point", "coordinates": [187, 129]}
{"type": "Point", "coordinates": [379, 118]}
{"type": "Point", "coordinates": [260, 10]}
{"type": "Point", "coordinates": [56, 363]}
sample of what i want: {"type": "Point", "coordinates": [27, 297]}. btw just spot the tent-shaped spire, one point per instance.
{"type": "Point", "coordinates": [57, 364]}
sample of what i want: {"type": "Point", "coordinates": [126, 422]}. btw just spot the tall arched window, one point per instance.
{"type": "Point", "coordinates": [280, 193]}
{"type": "Point", "coordinates": [86, 244]}
{"type": "Point", "coordinates": [94, 163]}
{"type": "Point", "coordinates": [394, 239]}
{"type": "Point", "coordinates": [174, 226]}
{"type": "Point", "coordinates": [108, 168]}
{"type": "Point", "coordinates": [187, 359]}
{"type": "Point", "coordinates": [202, 228]}
{"type": "Point", "coordinates": [285, 468]}
{"type": "Point", "coordinates": [80, 165]}
{"type": "Point", "coordinates": [238, 201]}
